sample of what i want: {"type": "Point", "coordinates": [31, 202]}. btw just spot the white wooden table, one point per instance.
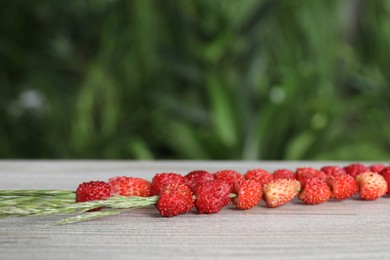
{"type": "Point", "coordinates": [350, 229]}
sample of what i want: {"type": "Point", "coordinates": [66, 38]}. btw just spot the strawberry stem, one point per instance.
{"type": "Point", "coordinates": [35, 193]}
{"type": "Point", "coordinates": [88, 216]}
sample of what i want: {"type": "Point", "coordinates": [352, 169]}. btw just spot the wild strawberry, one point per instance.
{"type": "Point", "coordinates": [212, 196]}
{"type": "Point", "coordinates": [180, 188]}
{"type": "Point", "coordinates": [164, 179]}
{"type": "Point", "coordinates": [196, 178]}
{"type": "Point", "coordinates": [248, 194]}
{"type": "Point", "coordinates": [230, 176]}
{"type": "Point", "coordinates": [377, 167]}
{"type": "Point", "coordinates": [260, 175]}
{"type": "Point", "coordinates": [315, 191]}
{"type": "Point", "coordinates": [284, 174]}
{"type": "Point", "coordinates": [175, 199]}
{"type": "Point", "coordinates": [305, 173]}
{"type": "Point", "coordinates": [342, 186]}
{"type": "Point", "coordinates": [385, 172]}
{"type": "Point", "coordinates": [173, 204]}
{"type": "Point", "coordinates": [129, 186]}
{"type": "Point", "coordinates": [93, 190]}
{"type": "Point", "coordinates": [355, 169]}
{"type": "Point", "coordinates": [279, 192]}
{"type": "Point", "coordinates": [371, 185]}
{"type": "Point", "coordinates": [332, 170]}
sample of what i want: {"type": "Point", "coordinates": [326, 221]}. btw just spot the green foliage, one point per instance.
{"type": "Point", "coordinates": [195, 79]}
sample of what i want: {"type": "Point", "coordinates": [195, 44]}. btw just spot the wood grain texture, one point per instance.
{"type": "Point", "coordinates": [351, 229]}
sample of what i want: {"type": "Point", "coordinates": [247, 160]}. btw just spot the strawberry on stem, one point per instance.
{"type": "Point", "coordinates": [93, 190]}
{"type": "Point", "coordinates": [305, 173]}
{"type": "Point", "coordinates": [129, 186]}
{"type": "Point", "coordinates": [161, 179]}
{"type": "Point", "coordinates": [198, 177]}
{"type": "Point", "coordinates": [371, 185]}
{"type": "Point", "coordinates": [180, 188]}
{"type": "Point", "coordinates": [315, 191]}
{"type": "Point", "coordinates": [279, 192]}
{"type": "Point", "coordinates": [284, 174]}
{"type": "Point", "coordinates": [173, 204]}
{"type": "Point", "coordinates": [355, 169]}
{"type": "Point", "coordinates": [175, 199]}
{"type": "Point", "coordinates": [230, 176]}
{"type": "Point", "coordinates": [260, 175]}
{"type": "Point", "coordinates": [385, 172]}
{"type": "Point", "coordinates": [332, 170]}
{"type": "Point", "coordinates": [212, 196]}
{"type": "Point", "coordinates": [342, 186]}
{"type": "Point", "coordinates": [376, 167]}
{"type": "Point", "coordinates": [248, 192]}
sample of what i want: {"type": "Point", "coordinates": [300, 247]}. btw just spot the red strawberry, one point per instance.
{"type": "Point", "coordinates": [376, 167]}
{"type": "Point", "coordinates": [315, 191]}
{"type": "Point", "coordinates": [305, 173]}
{"type": "Point", "coordinates": [180, 188]}
{"type": "Point", "coordinates": [129, 186]}
{"type": "Point", "coordinates": [230, 176]}
{"type": "Point", "coordinates": [355, 169]}
{"type": "Point", "coordinates": [175, 199]}
{"type": "Point", "coordinates": [385, 172]}
{"type": "Point", "coordinates": [371, 185]}
{"type": "Point", "coordinates": [196, 178]}
{"type": "Point", "coordinates": [284, 174]}
{"type": "Point", "coordinates": [93, 190]}
{"type": "Point", "coordinates": [279, 192]}
{"type": "Point", "coordinates": [161, 179]}
{"type": "Point", "coordinates": [212, 196]}
{"type": "Point", "coordinates": [332, 170]}
{"type": "Point", "coordinates": [173, 204]}
{"type": "Point", "coordinates": [342, 186]}
{"type": "Point", "coordinates": [260, 175]}
{"type": "Point", "coordinates": [248, 194]}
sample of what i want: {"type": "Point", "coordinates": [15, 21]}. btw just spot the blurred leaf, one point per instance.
{"type": "Point", "coordinates": [183, 139]}
{"type": "Point", "coordinates": [297, 147]}
{"type": "Point", "coordinates": [222, 111]}
{"type": "Point", "coordinates": [355, 151]}
{"type": "Point", "coordinates": [97, 108]}
{"type": "Point", "coordinates": [140, 149]}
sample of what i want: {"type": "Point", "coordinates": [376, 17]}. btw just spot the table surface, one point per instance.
{"type": "Point", "coordinates": [350, 229]}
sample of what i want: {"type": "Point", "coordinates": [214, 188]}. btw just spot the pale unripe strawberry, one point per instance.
{"type": "Point", "coordinates": [371, 185]}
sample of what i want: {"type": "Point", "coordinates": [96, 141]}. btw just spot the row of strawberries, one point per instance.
{"type": "Point", "coordinates": [210, 192]}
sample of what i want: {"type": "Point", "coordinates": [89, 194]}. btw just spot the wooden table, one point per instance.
{"type": "Point", "coordinates": [350, 229]}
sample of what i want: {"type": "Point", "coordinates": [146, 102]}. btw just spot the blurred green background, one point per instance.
{"type": "Point", "coordinates": [195, 79]}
